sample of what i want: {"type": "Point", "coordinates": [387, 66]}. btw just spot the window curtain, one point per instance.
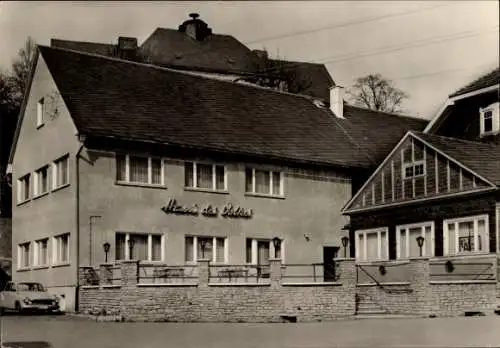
{"type": "Point", "coordinates": [156, 248]}
{"type": "Point", "coordinates": [140, 250]}
{"type": "Point", "coordinates": [262, 181]}
{"type": "Point", "coordinates": [189, 248]}
{"type": "Point", "coordinates": [156, 171]}
{"type": "Point", "coordinates": [371, 246]}
{"type": "Point", "coordinates": [204, 176]}
{"type": "Point", "coordinates": [138, 169]}
{"type": "Point", "coordinates": [220, 250]}
{"type": "Point", "coordinates": [207, 252]}
{"type": "Point", "coordinates": [276, 183]}
{"type": "Point", "coordinates": [120, 168]}
{"type": "Point", "coordinates": [219, 176]}
{"type": "Point", "coordinates": [414, 233]}
{"type": "Point", "coordinates": [188, 174]}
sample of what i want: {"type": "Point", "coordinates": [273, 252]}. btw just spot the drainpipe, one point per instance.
{"type": "Point", "coordinates": [81, 139]}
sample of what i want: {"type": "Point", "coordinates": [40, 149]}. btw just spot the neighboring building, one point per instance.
{"type": "Point", "coordinates": [108, 150]}
{"type": "Point", "coordinates": [194, 48]}
{"type": "Point", "coordinates": [442, 184]}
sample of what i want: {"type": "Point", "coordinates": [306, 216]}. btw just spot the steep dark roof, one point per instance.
{"type": "Point", "coordinates": [83, 46]}
{"type": "Point", "coordinates": [490, 79]}
{"type": "Point", "coordinates": [483, 158]}
{"type": "Point", "coordinates": [111, 97]}
{"type": "Point", "coordinates": [170, 47]}
{"type": "Point", "coordinates": [378, 132]}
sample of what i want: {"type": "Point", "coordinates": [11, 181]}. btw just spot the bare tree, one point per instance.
{"type": "Point", "coordinates": [375, 92]}
{"type": "Point", "coordinates": [21, 68]}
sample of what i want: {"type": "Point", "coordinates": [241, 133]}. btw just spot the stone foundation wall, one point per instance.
{"type": "Point", "coordinates": [205, 302]}
{"type": "Point", "coordinates": [423, 296]}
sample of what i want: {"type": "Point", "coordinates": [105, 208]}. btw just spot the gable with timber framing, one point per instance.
{"type": "Point", "coordinates": [415, 170]}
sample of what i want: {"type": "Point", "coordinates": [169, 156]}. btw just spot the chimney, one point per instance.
{"type": "Point", "coordinates": [127, 47]}
{"type": "Point", "coordinates": [337, 101]}
{"type": "Point", "coordinates": [195, 28]}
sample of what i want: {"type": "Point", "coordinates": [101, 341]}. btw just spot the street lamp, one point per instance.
{"type": "Point", "coordinates": [345, 241]}
{"type": "Point", "coordinates": [420, 243]}
{"type": "Point", "coordinates": [277, 245]}
{"type": "Point", "coordinates": [131, 244]}
{"type": "Point", "coordinates": [106, 247]}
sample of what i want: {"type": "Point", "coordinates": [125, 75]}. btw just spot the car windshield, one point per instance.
{"type": "Point", "coordinates": [30, 287]}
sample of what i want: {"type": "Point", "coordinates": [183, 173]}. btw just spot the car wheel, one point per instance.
{"type": "Point", "coordinates": [19, 309]}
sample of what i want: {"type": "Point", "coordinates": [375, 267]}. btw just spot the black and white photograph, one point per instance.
{"type": "Point", "coordinates": [249, 174]}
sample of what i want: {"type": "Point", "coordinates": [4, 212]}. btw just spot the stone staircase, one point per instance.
{"type": "Point", "coordinates": [366, 306]}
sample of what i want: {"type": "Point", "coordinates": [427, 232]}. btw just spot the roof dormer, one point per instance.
{"type": "Point", "coordinates": [489, 120]}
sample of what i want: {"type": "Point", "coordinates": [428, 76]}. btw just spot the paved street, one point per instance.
{"type": "Point", "coordinates": [62, 332]}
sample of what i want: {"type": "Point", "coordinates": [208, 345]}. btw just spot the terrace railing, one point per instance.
{"type": "Point", "coordinates": [309, 273]}
{"type": "Point", "coordinates": [150, 273]}
{"type": "Point", "coordinates": [245, 274]}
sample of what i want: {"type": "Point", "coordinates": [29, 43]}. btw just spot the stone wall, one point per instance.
{"type": "Point", "coordinates": [279, 299]}
{"type": "Point", "coordinates": [203, 301]}
{"type": "Point", "coordinates": [422, 296]}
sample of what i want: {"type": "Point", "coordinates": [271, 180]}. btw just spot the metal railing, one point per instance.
{"type": "Point", "coordinates": [163, 274]}
{"type": "Point", "coordinates": [382, 270]}
{"type": "Point", "coordinates": [452, 270]}
{"type": "Point", "coordinates": [247, 274]}
{"type": "Point", "coordinates": [305, 273]}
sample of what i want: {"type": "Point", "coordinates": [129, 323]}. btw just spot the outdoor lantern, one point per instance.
{"type": "Point", "coordinates": [345, 241]}
{"type": "Point", "coordinates": [277, 245]}
{"type": "Point", "coordinates": [131, 243]}
{"type": "Point", "coordinates": [106, 247]}
{"type": "Point", "coordinates": [420, 243]}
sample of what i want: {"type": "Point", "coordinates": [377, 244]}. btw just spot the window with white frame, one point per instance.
{"type": "Point", "coordinates": [490, 119]}
{"type": "Point", "coordinates": [413, 162]}
{"type": "Point", "coordinates": [41, 184]}
{"type": "Point", "coordinates": [139, 246]}
{"type": "Point", "coordinates": [23, 255]}
{"type": "Point", "coordinates": [41, 257]}
{"type": "Point", "coordinates": [140, 170]}
{"type": "Point", "coordinates": [214, 249]}
{"type": "Point", "coordinates": [372, 245]}
{"type": "Point", "coordinates": [259, 251]}
{"type": "Point", "coordinates": [264, 182]}
{"type": "Point", "coordinates": [60, 250]}
{"type": "Point", "coordinates": [466, 235]}
{"type": "Point", "coordinates": [205, 176]}
{"type": "Point", "coordinates": [406, 240]}
{"type": "Point", "coordinates": [23, 188]}
{"type": "Point", "coordinates": [40, 110]}
{"type": "Point", "coordinates": [60, 173]}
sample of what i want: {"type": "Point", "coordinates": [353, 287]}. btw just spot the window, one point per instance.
{"type": "Point", "coordinates": [60, 175]}
{"type": "Point", "coordinates": [41, 257]}
{"type": "Point", "coordinates": [214, 249]}
{"type": "Point", "coordinates": [413, 161]}
{"type": "Point", "coordinates": [263, 182]}
{"type": "Point", "coordinates": [23, 255]}
{"type": "Point", "coordinates": [466, 235]}
{"type": "Point", "coordinates": [144, 246]}
{"type": "Point", "coordinates": [406, 240]}
{"type": "Point", "coordinates": [41, 181]}
{"type": "Point", "coordinates": [205, 176]}
{"type": "Point", "coordinates": [23, 189]}
{"type": "Point", "coordinates": [141, 170]}
{"type": "Point", "coordinates": [40, 110]}
{"type": "Point", "coordinates": [490, 119]}
{"type": "Point", "coordinates": [258, 251]}
{"type": "Point", "coordinates": [61, 249]}
{"type": "Point", "coordinates": [372, 245]}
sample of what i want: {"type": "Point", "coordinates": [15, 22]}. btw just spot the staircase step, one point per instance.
{"type": "Point", "coordinates": [371, 311]}
{"type": "Point", "coordinates": [383, 316]}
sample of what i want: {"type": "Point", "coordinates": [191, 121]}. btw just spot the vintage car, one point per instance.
{"type": "Point", "coordinates": [27, 296]}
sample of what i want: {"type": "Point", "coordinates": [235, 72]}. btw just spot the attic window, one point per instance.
{"type": "Point", "coordinates": [40, 108]}
{"type": "Point", "coordinates": [489, 119]}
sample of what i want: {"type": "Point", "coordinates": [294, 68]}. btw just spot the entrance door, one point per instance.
{"type": "Point", "coordinates": [329, 255]}
{"type": "Point", "coordinates": [263, 258]}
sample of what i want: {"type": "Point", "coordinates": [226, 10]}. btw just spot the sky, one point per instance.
{"type": "Point", "coordinates": [428, 49]}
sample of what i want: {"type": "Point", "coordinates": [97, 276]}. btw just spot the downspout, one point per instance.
{"type": "Point", "coordinates": [77, 218]}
